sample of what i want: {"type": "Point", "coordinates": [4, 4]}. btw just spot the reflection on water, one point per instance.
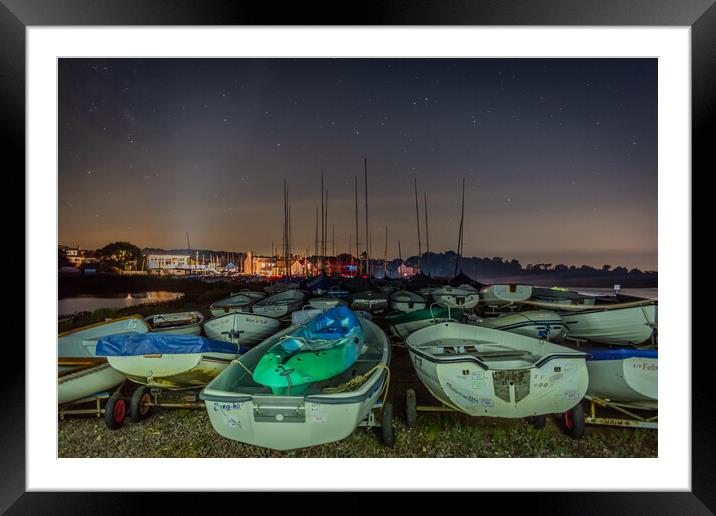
{"type": "Point", "coordinates": [72, 305]}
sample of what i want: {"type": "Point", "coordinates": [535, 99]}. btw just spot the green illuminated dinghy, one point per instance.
{"type": "Point", "coordinates": [316, 350]}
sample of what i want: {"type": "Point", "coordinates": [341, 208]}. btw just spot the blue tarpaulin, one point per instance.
{"type": "Point", "coordinates": [133, 344]}
{"type": "Point", "coordinates": [621, 354]}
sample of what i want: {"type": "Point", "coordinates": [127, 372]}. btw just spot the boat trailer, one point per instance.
{"type": "Point", "coordinates": [633, 419]}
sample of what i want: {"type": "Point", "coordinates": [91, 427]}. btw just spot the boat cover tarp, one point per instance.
{"type": "Point", "coordinates": [621, 353]}
{"type": "Point", "coordinates": [134, 344]}
{"type": "Point", "coordinates": [334, 324]}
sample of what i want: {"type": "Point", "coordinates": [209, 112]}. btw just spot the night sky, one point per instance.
{"type": "Point", "coordinates": [559, 155]}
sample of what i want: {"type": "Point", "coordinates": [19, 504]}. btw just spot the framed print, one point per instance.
{"type": "Point", "coordinates": [423, 239]}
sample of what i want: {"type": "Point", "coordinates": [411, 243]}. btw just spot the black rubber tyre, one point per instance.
{"type": "Point", "coordinates": [537, 422]}
{"type": "Point", "coordinates": [411, 412]}
{"type": "Point", "coordinates": [115, 412]}
{"type": "Point", "coordinates": [573, 421]}
{"type": "Point", "coordinates": [387, 425]}
{"type": "Point", "coordinates": [139, 404]}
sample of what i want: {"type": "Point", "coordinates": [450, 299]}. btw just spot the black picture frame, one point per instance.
{"type": "Point", "coordinates": [17, 15]}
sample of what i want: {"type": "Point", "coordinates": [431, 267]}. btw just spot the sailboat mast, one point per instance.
{"type": "Point", "coordinates": [323, 265]}
{"type": "Point", "coordinates": [385, 254]}
{"type": "Point", "coordinates": [315, 249]}
{"type": "Point", "coordinates": [462, 218]}
{"type": "Point", "coordinates": [357, 233]}
{"type": "Point", "coordinates": [417, 219]}
{"type": "Point", "coordinates": [400, 260]}
{"type": "Point", "coordinates": [427, 233]}
{"type": "Point", "coordinates": [367, 238]}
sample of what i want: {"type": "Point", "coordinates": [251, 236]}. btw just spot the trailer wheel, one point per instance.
{"type": "Point", "coordinates": [115, 411]}
{"type": "Point", "coordinates": [537, 422]}
{"type": "Point", "coordinates": [139, 405]}
{"type": "Point", "coordinates": [411, 412]}
{"type": "Point", "coordinates": [387, 425]}
{"type": "Point", "coordinates": [573, 421]}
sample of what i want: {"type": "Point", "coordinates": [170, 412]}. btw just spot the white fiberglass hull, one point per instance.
{"type": "Point", "coordinates": [82, 342]}
{"type": "Point", "coordinates": [455, 297]}
{"type": "Point", "coordinates": [172, 371]}
{"type": "Point", "coordinates": [538, 324]}
{"type": "Point", "coordinates": [86, 382]}
{"type": "Point", "coordinates": [242, 328]}
{"type": "Point", "coordinates": [532, 377]}
{"type": "Point", "coordinates": [288, 422]}
{"type": "Point", "coordinates": [184, 323]}
{"type": "Point", "coordinates": [502, 294]}
{"type": "Point", "coordinates": [631, 380]}
{"type": "Point", "coordinates": [622, 326]}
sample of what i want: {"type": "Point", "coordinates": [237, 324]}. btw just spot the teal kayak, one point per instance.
{"type": "Point", "coordinates": [316, 350]}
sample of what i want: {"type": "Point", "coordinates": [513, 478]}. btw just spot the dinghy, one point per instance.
{"type": "Point", "coordinates": [403, 324]}
{"type": "Point", "coordinates": [624, 376]}
{"type": "Point", "coordinates": [463, 297]}
{"type": "Point", "coordinates": [324, 303]}
{"type": "Point", "coordinates": [185, 323]}
{"type": "Point", "coordinates": [253, 294]}
{"type": "Point", "coordinates": [167, 361]}
{"type": "Point", "coordinates": [236, 303]}
{"type": "Point", "coordinates": [241, 409]}
{"type": "Point", "coordinates": [370, 301]}
{"type": "Point", "coordinates": [76, 348]}
{"type": "Point", "coordinates": [622, 324]}
{"type": "Point", "coordinates": [406, 301]}
{"type": "Point", "coordinates": [81, 373]}
{"type": "Point", "coordinates": [282, 286]}
{"type": "Point", "coordinates": [317, 350]}
{"type": "Point", "coordinates": [305, 314]}
{"type": "Point", "coordinates": [279, 304]}
{"type": "Point", "coordinates": [245, 328]}
{"type": "Point", "coordinates": [538, 324]}
{"type": "Point", "coordinates": [501, 295]}
{"type": "Point", "coordinates": [81, 383]}
{"type": "Point", "coordinates": [486, 372]}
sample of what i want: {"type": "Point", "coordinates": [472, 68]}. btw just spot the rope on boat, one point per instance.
{"type": "Point", "coordinates": [238, 361]}
{"type": "Point", "coordinates": [357, 381]}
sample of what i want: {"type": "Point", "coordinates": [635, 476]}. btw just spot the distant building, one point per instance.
{"type": "Point", "coordinates": [169, 263]}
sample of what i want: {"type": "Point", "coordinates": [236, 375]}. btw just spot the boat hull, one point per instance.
{"type": "Point", "coordinates": [82, 342]}
{"type": "Point", "coordinates": [402, 326]}
{"type": "Point", "coordinates": [509, 388]}
{"type": "Point", "coordinates": [538, 324]}
{"type": "Point", "coordinates": [86, 382]}
{"type": "Point", "coordinates": [504, 294]}
{"type": "Point", "coordinates": [623, 326]}
{"type": "Point", "coordinates": [290, 422]}
{"type": "Point", "coordinates": [632, 380]}
{"type": "Point", "coordinates": [172, 371]}
{"type": "Point", "coordinates": [455, 297]}
{"type": "Point", "coordinates": [243, 328]}
{"type": "Point", "coordinates": [187, 323]}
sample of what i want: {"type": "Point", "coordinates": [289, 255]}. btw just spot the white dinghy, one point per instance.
{"type": "Point", "coordinates": [184, 323]}
{"type": "Point", "coordinates": [406, 301]}
{"type": "Point", "coordinates": [626, 376]}
{"type": "Point", "coordinates": [622, 324]}
{"type": "Point", "coordinates": [324, 302]}
{"type": "Point", "coordinates": [500, 295]}
{"type": "Point", "coordinates": [330, 410]}
{"type": "Point", "coordinates": [81, 373]}
{"type": "Point", "coordinates": [463, 297]}
{"type": "Point", "coordinates": [369, 301]}
{"type": "Point", "coordinates": [486, 372]}
{"type": "Point", "coordinates": [279, 304]}
{"type": "Point", "coordinates": [282, 286]}
{"type": "Point", "coordinates": [168, 361]}
{"type": "Point", "coordinates": [538, 324]}
{"type": "Point", "coordinates": [253, 294]}
{"type": "Point", "coordinates": [236, 303]}
{"type": "Point", "coordinates": [244, 328]}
